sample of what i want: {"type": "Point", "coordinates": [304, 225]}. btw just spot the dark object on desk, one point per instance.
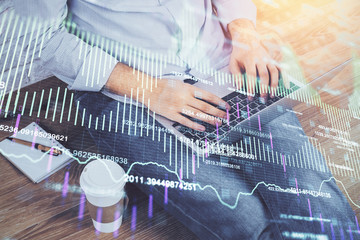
{"type": "Point", "coordinates": [37, 146]}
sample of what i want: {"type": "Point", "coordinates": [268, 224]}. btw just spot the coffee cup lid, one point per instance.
{"type": "Point", "coordinates": [102, 178]}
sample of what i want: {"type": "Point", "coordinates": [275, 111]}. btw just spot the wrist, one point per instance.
{"type": "Point", "coordinates": [242, 28]}
{"type": "Point", "coordinates": [114, 81]}
{"type": "Point", "coordinates": [123, 81]}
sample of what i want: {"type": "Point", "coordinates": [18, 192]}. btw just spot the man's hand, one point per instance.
{"type": "Point", "coordinates": [250, 56]}
{"type": "Point", "coordinates": [171, 98]}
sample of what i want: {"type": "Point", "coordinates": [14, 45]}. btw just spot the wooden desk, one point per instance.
{"type": "Point", "coordinates": [320, 33]}
{"type": "Point", "coordinates": [39, 211]}
{"type": "Point", "coordinates": [33, 211]}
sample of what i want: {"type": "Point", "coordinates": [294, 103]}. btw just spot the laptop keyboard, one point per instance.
{"type": "Point", "coordinates": [241, 109]}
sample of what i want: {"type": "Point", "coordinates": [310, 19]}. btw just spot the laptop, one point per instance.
{"type": "Point", "coordinates": [243, 112]}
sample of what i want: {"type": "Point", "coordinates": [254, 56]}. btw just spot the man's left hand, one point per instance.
{"type": "Point", "coordinates": [250, 56]}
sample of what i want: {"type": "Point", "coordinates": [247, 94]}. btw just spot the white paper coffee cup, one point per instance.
{"type": "Point", "coordinates": [103, 182]}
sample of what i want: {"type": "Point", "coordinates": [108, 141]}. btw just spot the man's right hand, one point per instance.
{"type": "Point", "coordinates": [170, 98]}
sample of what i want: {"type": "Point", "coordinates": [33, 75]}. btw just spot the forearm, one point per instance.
{"type": "Point", "coordinates": [243, 31]}
{"type": "Point", "coordinates": [124, 80]}
{"type": "Point", "coordinates": [241, 25]}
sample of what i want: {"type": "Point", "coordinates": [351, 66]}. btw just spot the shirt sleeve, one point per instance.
{"type": "Point", "coordinates": [79, 64]}
{"type": "Point", "coordinates": [229, 10]}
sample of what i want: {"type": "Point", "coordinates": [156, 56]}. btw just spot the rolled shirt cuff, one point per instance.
{"type": "Point", "coordinates": [94, 72]}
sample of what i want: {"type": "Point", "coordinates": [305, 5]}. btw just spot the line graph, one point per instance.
{"type": "Point", "coordinates": [231, 206]}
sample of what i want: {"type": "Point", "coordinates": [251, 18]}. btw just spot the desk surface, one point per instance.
{"type": "Point", "coordinates": [320, 34]}
{"type": "Point", "coordinates": [40, 211]}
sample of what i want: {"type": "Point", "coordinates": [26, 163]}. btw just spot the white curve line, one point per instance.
{"type": "Point", "coordinates": [177, 175]}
